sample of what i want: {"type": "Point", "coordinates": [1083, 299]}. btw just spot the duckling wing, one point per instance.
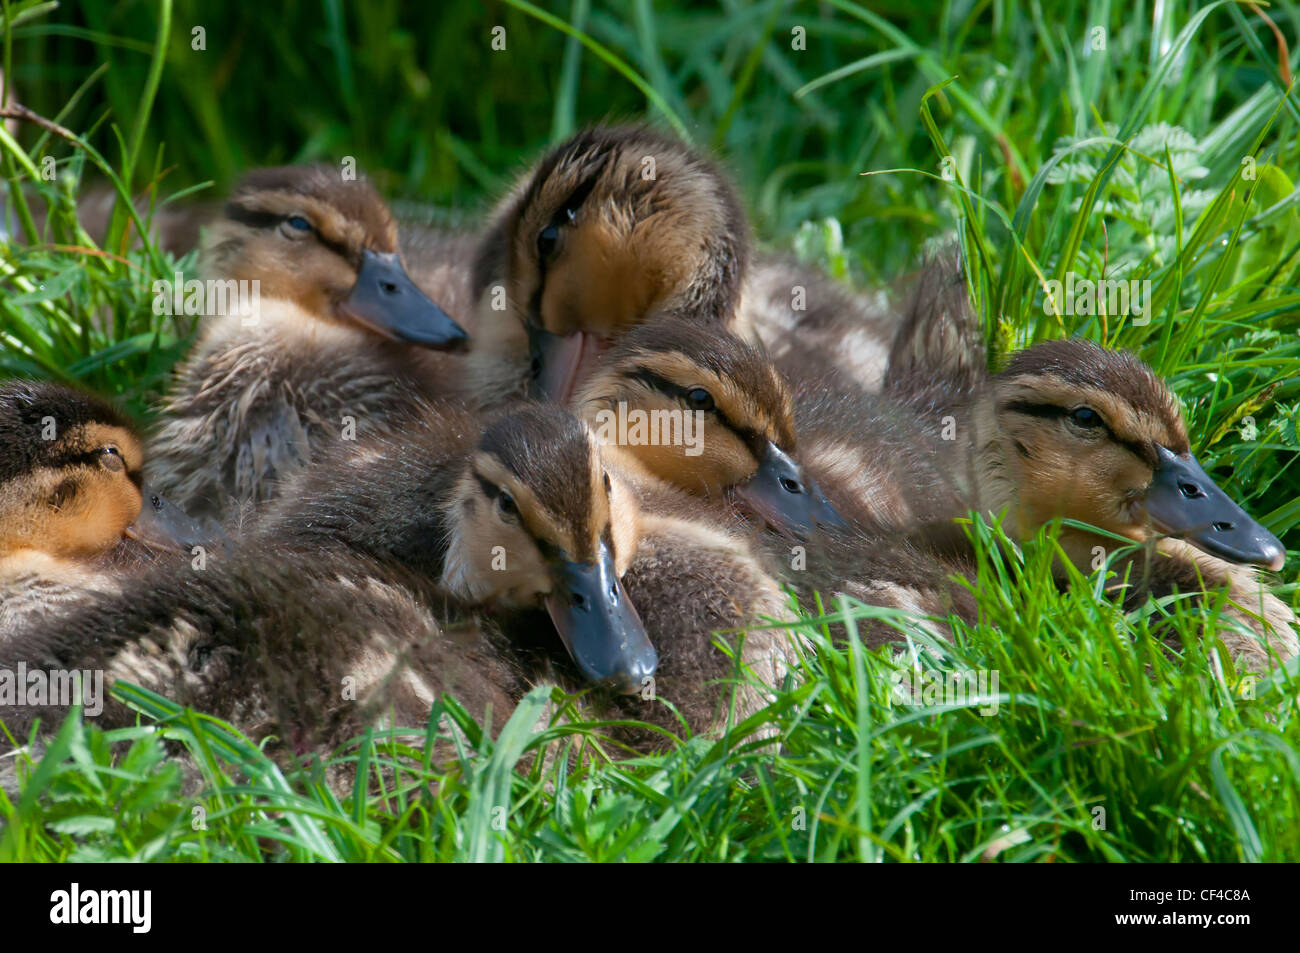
{"type": "Point", "coordinates": [808, 321]}
{"type": "Point", "coordinates": [940, 343]}
{"type": "Point", "coordinates": [273, 445]}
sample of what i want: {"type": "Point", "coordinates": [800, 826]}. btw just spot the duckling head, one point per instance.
{"type": "Point", "coordinates": [1094, 435]}
{"type": "Point", "coordinates": [707, 412]}
{"type": "Point", "coordinates": [328, 244]}
{"type": "Point", "coordinates": [537, 518]}
{"type": "Point", "coordinates": [613, 225]}
{"type": "Point", "coordinates": [70, 478]}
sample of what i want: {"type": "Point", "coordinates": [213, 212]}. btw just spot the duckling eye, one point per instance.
{"type": "Point", "coordinates": [506, 504]}
{"type": "Point", "coordinates": [111, 460]}
{"type": "Point", "coordinates": [547, 241]}
{"type": "Point", "coordinates": [1085, 417]}
{"type": "Point", "coordinates": [298, 222]}
{"type": "Point", "coordinates": [699, 399]}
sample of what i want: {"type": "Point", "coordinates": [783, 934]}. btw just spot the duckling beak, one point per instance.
{"type": "Point", "coordinates": [599, 625]}
{"type": "Point", "coordinates": [163, 525]}
{"type": "Point", "coordinates": [1182, 501]}
{"type": "Point", "coordinates": [561, 362]}
{"type": "Point", "coordinates": [386, 300]}
{"type": "Point", "coordinates": [783, 496]}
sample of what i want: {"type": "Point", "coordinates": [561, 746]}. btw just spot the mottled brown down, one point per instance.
{"type": "Point", "coordinates": [643, 225]}
{"type": "Point", "coordinates": [259, 399]}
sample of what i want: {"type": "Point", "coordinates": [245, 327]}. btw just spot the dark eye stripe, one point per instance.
{"type": "Point", "coordinates": [752, 438]}
{"type": "Point", "coordinates": [1050, 411]}
{"type": "Point", "coordinates": [662, 384]}
{"type": "Point", "coordinates": [490, 489]}
{"type": "Point", "coordinates": [560, 219]}
{"type": "Point", "coordinates": [548, 550]}
{"type": "Point", "coordinates": [1034, 410]}
{"type": "Point", "coordinates": [257, 218]}
{"type": "Point", "coordinates": [86, 458]}
{"type": "Point", "coordinates": [252, 217]}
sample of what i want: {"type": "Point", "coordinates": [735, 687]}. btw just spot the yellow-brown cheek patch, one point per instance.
{"type": "Point", "coordinates": [598, 284]}
{"type": "Point", "coordinates": [302, 271]}
{"type": "Point", "coordinates": [309, 274]}
{"type": "Point", "coordinates": [488, 559]}
{"type": "Point", "coordinates": [1069, 477]}
{"type": "Point", "coordinates": [723, 461]}
{"type": "Point", "coordinates": [624, 524]}
{"type": "Point", "coordinates": [113, 505]}
{"type": "Point", "coordinates": [87, 523]}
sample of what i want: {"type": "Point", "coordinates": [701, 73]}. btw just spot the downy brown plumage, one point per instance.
{"type": "Point", "coordinates": [75, 514]}
{"type": "Point", "coordinates": [742, 461]}
{"type": "Point", "coordinates": [1072, 430]}
{"type": "Point", "coordinates": [340, 340]}
{"type": "Point", "coordinates": [812, 324]}
{"type": "Point", "coordinates": [375, 560]}
{"type": "Point", "coordinates": [612, 226]}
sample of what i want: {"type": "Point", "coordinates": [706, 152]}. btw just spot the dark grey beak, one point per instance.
{"type": "Point", "coordinates": [789, 501]}
{"type": "Point", "coordinates": [1182, 501]}
{"type": "Point", "coordinates": [599, 625]}
{"type": "Point", "coordinates": [163, 525]}
{"type": "Point", "coordinates": [386, 300]}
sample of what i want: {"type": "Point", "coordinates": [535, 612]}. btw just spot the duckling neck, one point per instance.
{"type": "Point", "coordinates": [995, 468]}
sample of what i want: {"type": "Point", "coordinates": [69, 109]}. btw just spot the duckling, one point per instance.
{"type": "Point", "coordinates": [611, 226]}
{"type": "Point", "coordinates": [1070, 429]}
{"type": "Point", "coordinates": [306, 646]}
{"type": "Point", "coordinates": [703, 411]}
{"type": "Point", "coordinates": [621, 223]}
{"type": "Point", "coordinates": [529, 518]}
{"type": "Point", "coordinates": [74, 511]}
{"type": "Point", "coordinates": [518, 518]}
{"type": "Point", "coordinates": [337, 341]}
{"type": "Point", "coordinates": [1073, 430]}
{"type": "Point", "coordinates": [711, 415]}
{"type": "Point", "coordinates": [717, 426]}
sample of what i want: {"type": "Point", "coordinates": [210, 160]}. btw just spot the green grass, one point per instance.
{"type": "Point", "coordinates": [1102, 747]}
{"type": "Point", "coordinates": [1062, 160]}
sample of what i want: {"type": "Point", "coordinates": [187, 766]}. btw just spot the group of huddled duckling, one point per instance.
{"type": "Point", "coordinates": [393, 498]}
